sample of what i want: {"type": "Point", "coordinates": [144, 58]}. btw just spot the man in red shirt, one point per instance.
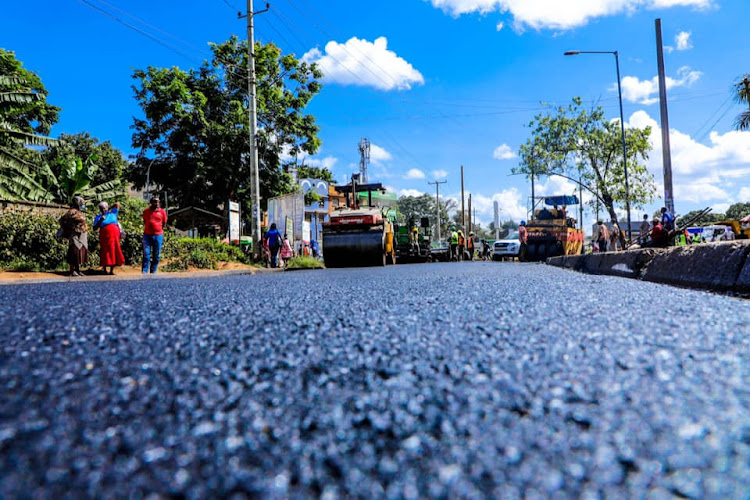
{"type": "Point", "coordinates": [154, 220]}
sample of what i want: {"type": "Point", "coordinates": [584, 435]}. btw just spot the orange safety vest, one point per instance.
{"type": "Point", "coordinates": [460, 240]}
{"type": "Point", "coordinates": [470, 243]}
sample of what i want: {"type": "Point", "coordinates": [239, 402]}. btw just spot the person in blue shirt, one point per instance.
{"type": "Point", "coordinates": [110, 252]}
{"type": "Point", "coordinates": [667, 219]}
{"type": "Point", "coordinates": [274, 243]}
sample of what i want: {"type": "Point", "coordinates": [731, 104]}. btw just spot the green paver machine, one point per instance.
{"type": "Point", "coordinates": [406, 250]}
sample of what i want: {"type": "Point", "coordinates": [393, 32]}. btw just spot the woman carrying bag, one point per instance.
{"type": "Point", "coordinates": [106, 222]}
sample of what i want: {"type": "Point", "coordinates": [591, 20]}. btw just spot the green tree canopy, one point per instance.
{"type": "Point", "coordinates": [109, 160]}
{"type": "Point", "coordinates": [193, 136]}
{"type": "Point", "coordinates": [25, 119]}
{"type": "Point", "coordinates": [413, 208]}
{"type": "Point", "coordinates": [738, 211]}
{"type": "Point", "coordinates": [707, 219]}
{"type": "Point", "coordinates": [582, 144]}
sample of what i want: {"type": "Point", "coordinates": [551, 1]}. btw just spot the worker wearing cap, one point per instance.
{"type": "Point", "coordinates": [414, 240]}
{"type": "Point", "coordinates": [454, 243]}
{"type": "Point", "coordinates": [470, 245]}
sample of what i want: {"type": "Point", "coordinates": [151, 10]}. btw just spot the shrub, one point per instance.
{"type": "Point", "coordinates": [30, 239]}
{"type": "Point", "coordinates": [304, 262]}
{"type": "Point", "coordinates": [200, 253]}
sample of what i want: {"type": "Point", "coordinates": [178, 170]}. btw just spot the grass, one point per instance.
{"type": "Point", "coordinates": [304, 262]}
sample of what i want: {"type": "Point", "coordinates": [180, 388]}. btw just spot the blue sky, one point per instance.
{"type": "Point", "coordinates": [433, 84]}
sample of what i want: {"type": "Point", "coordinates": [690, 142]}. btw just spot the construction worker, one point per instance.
{"type": "Point", "coordinates": [461, 245]}
{"type": "Point", "coordinates": [414, 240]}
{"type": "Point", "coordinates": [470, 245]}
{"type": "Point", "coordinates": [523, 238]}
{"type": "Point", "coordinates": [454, 243]}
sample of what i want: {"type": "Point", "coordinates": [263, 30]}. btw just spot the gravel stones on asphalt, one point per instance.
{"type": "Point", "coordinates": [444, 380]}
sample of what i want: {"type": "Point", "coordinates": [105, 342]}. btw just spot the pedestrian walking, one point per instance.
{"type": "Point", "coordinates": [110, 251]}
{"type": "Point", "coordinates": [286, 251]}
{"type": "Point", "coordinates": [154, 220]}
{"type": "Point", "coordinates": [73, 228]}
{"type": "Point", "coordinates": [470, 245]}
{"type": "Point", "coordinates": [274, 243]}
{"type": "Point", "coordinates": [601, 236]}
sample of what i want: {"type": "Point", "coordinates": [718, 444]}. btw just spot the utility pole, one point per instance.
{"type": "Point", "coordinates": [253, 127]}
{"type": "Point", "coordinates": [364, 158]}
{"type": "Point", "coordinates": [437, 202]}
{"type": "Point", "coordinates": [469, 214]}
{"type": "Point", "coordinates": [463, 207]}
{"type": "Point", "coordinates": [665, 147]}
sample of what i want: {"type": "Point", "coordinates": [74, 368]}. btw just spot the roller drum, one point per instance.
{"type": "Point", "coordinates": [343, 248]}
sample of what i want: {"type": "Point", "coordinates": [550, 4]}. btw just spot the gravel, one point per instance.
{"type": "Point", "coordinates": [467, 380]}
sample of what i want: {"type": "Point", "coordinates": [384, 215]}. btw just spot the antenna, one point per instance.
{"type": "Point", "coordinates": [364, 158]}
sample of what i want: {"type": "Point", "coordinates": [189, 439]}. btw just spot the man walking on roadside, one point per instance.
{"type": "Point", "coordinates": [523, 239]}
{"type": "Point", "coordinates": [154, 220]}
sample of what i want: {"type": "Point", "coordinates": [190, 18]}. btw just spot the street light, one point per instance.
{"type": "Point", "coordinates": [622, 124]}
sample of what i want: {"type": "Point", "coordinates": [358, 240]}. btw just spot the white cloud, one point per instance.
{"type": "Point", "coordinates": [363, 63]}
{"type": "Point", "coordinates": [414, 173]}
{"type": "Point", "coordinates": [744, 195]}
{"type": "Point", "coordinates": [643, 91]}
{"type": "Point", "coordinates": [700, 173]}
{"type": "Point", "coordinates": [328, 162]}
{"type": "Point", "coordinates": [720, 208]}
{"type": "Point", "coordinates": [510, 201]}
{"type": "Point", "coordinates": [682, 40]}
{"type": "Point", "coordinates": [556, 14]}
{"type": "Point", "coordinates": [379, 155]}
{"type": "Point", "coordinates": [439, 174]}
{"type": "Point", "coordinates": [503, 152]}
{"type": "Point", "coordinates": [500, 26]}
{"type": "Point", "coordinates": [410, 192]}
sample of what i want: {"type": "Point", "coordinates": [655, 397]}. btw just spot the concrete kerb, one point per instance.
{"type": "Point", "coordinates": [715, 266]}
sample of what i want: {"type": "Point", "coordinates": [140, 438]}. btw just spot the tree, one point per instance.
{"type": "Point", "coordinates": [109, 161]}
{"type": "Point", "coordinates": [25, 119]}
{"type": "Point", "coordinates": [738, 211]}
{"type": "Point", "coordinates": [193, 137]}
{"type": "Point", "coordinates": [707, 219]}
{"type": "Point", "coordinates": [413, 208]}
{"type": "Point", "coordinates": [581, 144]}
{"type": "Point", "coordinates": [742, 95]}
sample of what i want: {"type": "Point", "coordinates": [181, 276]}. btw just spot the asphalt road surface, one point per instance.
{"type": "Point", "coordinates": [454, 380]}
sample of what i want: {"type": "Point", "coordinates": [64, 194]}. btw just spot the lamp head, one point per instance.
{"type": "Point", "coordinates": [572, 52]}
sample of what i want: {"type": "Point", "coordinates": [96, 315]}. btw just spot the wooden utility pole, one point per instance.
{"type": "Point", "coordinates": [469, 213]}
{"type": "Point", "coordinates": [463, 207]}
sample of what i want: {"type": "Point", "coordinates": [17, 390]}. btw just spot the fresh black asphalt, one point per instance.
{"type": "Point", "coordinates": [474, 380]}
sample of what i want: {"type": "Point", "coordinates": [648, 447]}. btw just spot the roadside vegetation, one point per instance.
{"type": "Point", "coordinates": [304, 262]}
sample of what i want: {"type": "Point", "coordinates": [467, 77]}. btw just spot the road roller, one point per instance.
{"type": "Point", "coordinates": [358, 236]}
{"type": "Point", "coordinates": [552, 231]}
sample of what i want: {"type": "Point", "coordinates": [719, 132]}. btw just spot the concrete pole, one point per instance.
{"type": "Point", "coordinates": [624, 151]}
{"type": "Point", "coordinates": [469, 213]}
{"type": "Point", "coordinates": [253, 136]}
{"type": "Point", "coordinates": [665, 147]}
{"type": "Point", "coordinates": [437, 203]}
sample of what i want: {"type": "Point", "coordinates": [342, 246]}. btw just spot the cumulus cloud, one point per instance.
{"type": "Point", "coordinates": [327, 162]}
{"type": "Point", "coordinates": [682, 41]}
{"type": "Point", "coordinates": [500, 26]}
{"type": "Point", "coordinates": [557, 15]}
{"type": "Point", "coordinates": [379, 155]}
{"type": "Point", "coordinates": [510, 201]}
{"type": "Point", "coordinates": [744, 195]}
{"type": "Point", "coordinates": [410, 192]}
{"type": "Point", "coordinates": [414, 173]}
{"type": "Point", "coordinates": [645, 91]}
{"type": "Point", "coordinates": [364, 63]}
{"type": "Point", "coordinates": [701, 172]}
{"type": "Point", "coordinates": [439, 174]}
{"type": "Point", "coordinates": [503, 152]}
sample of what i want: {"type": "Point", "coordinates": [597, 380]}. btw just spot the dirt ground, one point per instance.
{"type": "Point", "coordinates": [122, 272]}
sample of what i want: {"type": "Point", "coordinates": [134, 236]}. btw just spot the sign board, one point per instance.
{"type": "Point", "coordinates": [234, 221]}
{"type": "Point", "coordinates": [306, 231]}
{"type": "Point", "coordinates": [289, 227]}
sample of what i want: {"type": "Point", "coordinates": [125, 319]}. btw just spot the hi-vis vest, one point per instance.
{"type": "Point", "coordinates": [454, 238]}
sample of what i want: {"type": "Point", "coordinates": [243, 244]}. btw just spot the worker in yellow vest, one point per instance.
{"type": "Point", "coordinates": [454, 243]}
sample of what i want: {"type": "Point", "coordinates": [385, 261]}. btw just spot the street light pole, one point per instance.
{"type": "Point", "coordinates": [437, 203]}
{"type": "Point", "coordinates": [622, 124]}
